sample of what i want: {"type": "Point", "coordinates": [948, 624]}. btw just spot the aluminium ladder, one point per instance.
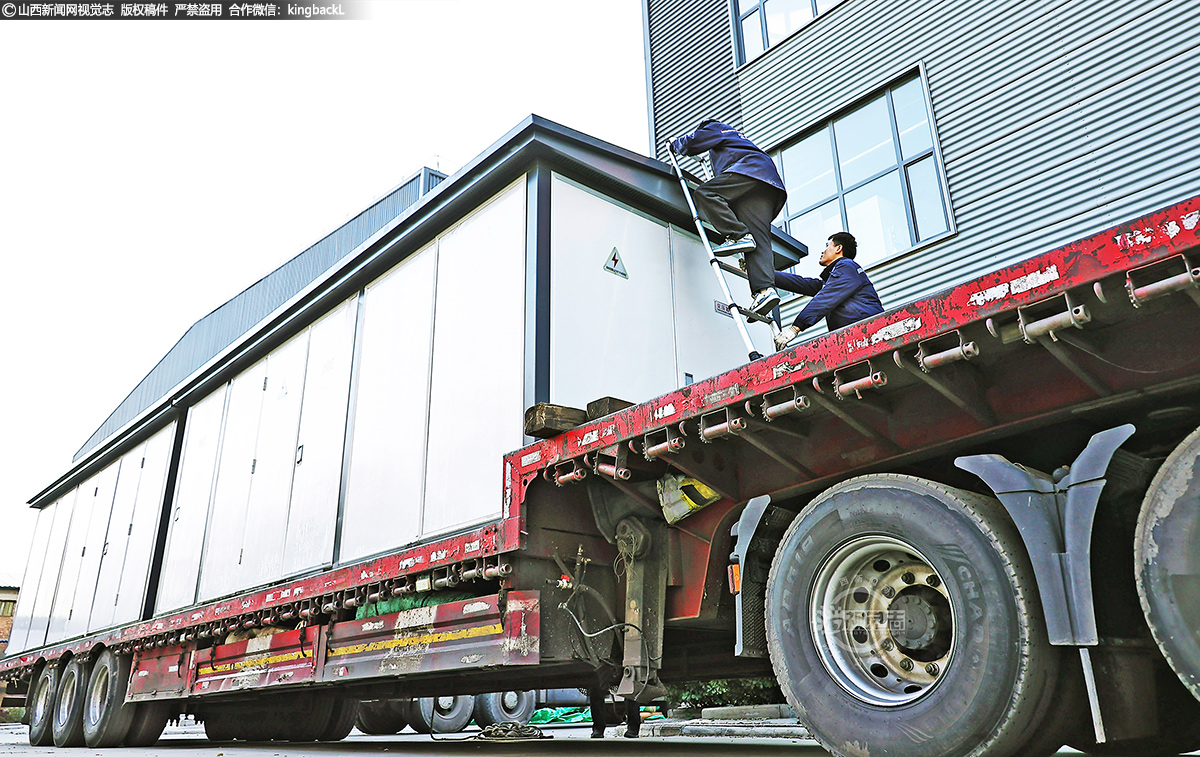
{"type": "Point", "coordinates": [740, 315]}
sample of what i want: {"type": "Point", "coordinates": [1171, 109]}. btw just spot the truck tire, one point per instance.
{"type": "Point", "coordinates": [305, 717]}
{"type": "Point", "coordinates": [903, 616]}
{"type": "Point", "coordinates": [382, 717]}
{"type": "Point", "coordinates": [219, 725]}
{"type": "Point", "coordinates": [440, 714]}
{"type": "Point", "coordinates": [341, 720]}
{"type": "Point", "coordinates": [504, 707]}
{"type": "Point", "coordinates": [106, 716]}
{"type": "Point", "coordinates": [68, 707]}
{"type": "Point", "coordinates": [41, 707]}
{"type": "Point", "coordinates": [149, 720]}
{"type": "Point", "coordinates": [1167, 560]}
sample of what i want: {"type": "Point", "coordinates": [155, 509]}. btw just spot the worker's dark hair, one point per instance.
{"type": "Point", "coordinates": [846, 240]}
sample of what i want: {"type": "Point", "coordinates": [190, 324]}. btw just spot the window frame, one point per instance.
{"type": "Point", "coordinates": [902, 165]}
{"type": "Point", "coordinates": [759, 7]}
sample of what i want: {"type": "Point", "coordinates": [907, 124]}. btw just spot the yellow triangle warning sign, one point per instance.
{"type": "Point", "coordinates": [614, 265]}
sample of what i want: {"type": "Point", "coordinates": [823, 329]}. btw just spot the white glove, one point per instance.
{"type": "Point", "coordinates": [786, 335]}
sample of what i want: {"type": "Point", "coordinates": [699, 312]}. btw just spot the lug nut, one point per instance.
{"type": "Point", "coordinates": [933, 580]}
{"type": "Point", "coordinates": [889, 592]}
{"type": "Point", "coordinates": [887, 645]}
{"type": "Point", "coordinates": [932, 669]}
{"type": "Point", "coordinates": [907, 664]}
{"type": "Point", "coordinates": [908, 578]}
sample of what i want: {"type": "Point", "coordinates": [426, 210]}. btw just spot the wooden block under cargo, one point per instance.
{"type": "Point", "coordinates": [544, 420]}
{"type": "Point", "coordinates": [605, 406]}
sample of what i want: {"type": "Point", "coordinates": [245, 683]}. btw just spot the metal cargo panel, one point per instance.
{"type": "Point", "coordinates": [316, 483]}
{"type": "Point", "coordinates": [48, 583]}
{"type": "Point", "coordinates": [217, 330]}
{"type": "Point", "coordinates": [143, 527]}
{"type": "Point", "coordinates": [23, 616]}
{"type": "Point", "coordinates": [706, 338]}
{"type": "Point", "coordinates": [274, 460]}
{"type": "Point", "coordinates": [89, 500]}
{"type": "Point", "coordinates": [386, 452]}
{"type": "Point", "coordinates": [221, 564]}
{"type": "Point", "coordinates": [478, 353]}
{"type": "Point", "coordinates": [610, 301]}
{"type": "Point", "coordinates": [116, 530]}
{"type": "Point", "coordinates": [103, 486]}
{"type": "Point", "coordinates": [197, 467]}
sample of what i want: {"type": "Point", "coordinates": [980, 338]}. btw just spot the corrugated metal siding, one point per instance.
{"type": "Point", "coordinates": [691, 66]}
{"type": "Point", "coordinates": [1056, 119]}
{"type": "Point", "coordinates": [220, 328]}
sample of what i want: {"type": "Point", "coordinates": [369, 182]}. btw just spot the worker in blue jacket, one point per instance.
{"type": "Point", "coordinates": [739, 202]}
{"type": "Point", "coordinates": [841, 296]}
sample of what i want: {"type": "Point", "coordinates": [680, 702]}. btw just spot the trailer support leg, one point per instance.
{"type": "Point", "coordinates": [643, 551]}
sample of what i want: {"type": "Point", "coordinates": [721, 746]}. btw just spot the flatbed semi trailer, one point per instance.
{"type": "Point", "coordinates": [966, 526]}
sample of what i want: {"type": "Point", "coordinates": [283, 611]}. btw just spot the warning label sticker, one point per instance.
{"type": "Point", "coordinates": [614, 265]}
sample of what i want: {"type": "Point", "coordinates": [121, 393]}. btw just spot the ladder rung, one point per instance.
{"type": "Point", "coordinates": [751, 315]}
{"type": "Point", "coordinates": [735, 270]}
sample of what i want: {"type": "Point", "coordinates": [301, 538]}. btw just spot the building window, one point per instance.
{"type": "Point", "coordinates": [7, 606]}
{"type": "Point", "coordinates": [873, 172]}
{"type": "Point", "coordinates": [762, 23]}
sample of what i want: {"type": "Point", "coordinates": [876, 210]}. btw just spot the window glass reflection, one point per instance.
{"type": "Point", "coordinates": [876, 218]}
{"type": "Point", "coordinates": [815, 226]}
{"type": "Point", "coordinates": [926, 192]}
{"type": "Point", "coordinates": [864, 142]}
{"type": "Point", "coordinates": [912, 118]}
{"type": "Point", "coordinates": [785, 17]}
{"type": "Point", "coordinates": [808, 171]}
{"type": "Point", "coordinates": [752, 36]}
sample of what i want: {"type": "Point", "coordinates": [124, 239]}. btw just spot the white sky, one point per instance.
{"type": "Point", "coordinates": [149, 171]}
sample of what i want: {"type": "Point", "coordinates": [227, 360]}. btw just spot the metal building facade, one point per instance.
{"type": "Point", "coordinates": [1055, 119]}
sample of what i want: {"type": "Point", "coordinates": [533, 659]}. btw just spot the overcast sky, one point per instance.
{"type": "Point", "coordinates": [149, 171]}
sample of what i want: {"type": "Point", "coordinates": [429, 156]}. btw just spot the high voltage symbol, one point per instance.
{"type": "Point", "coordinates": [614, 264]}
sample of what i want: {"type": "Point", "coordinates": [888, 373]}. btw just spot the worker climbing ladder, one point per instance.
{"type": "Point", "coordinates": [740, 315]}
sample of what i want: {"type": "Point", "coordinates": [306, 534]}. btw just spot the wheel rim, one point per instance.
{"type": "Point", "coordinates": [97, 694]}
{"type": "Point", "coordinates": [444, 705]}
{"type": "Point", "coordinates": [509, 701]}
{"type": "Point", "coordinates": [41, 704]}
{"type": "Point", "coordinates": [882, 621]}
{"type": "Point", "coordinates": [65, 698]}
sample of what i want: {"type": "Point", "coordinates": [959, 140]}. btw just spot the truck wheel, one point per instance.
{"type": "Point", "coordinates": [440, 714]}
{"type": "Point", "coordinates": [219, 726]}
{"type": "Point", "coordinates": [149, 720]}
{"type": "Point", "coordinates": [1167, 560]}
{"type": "Point", "coordinates": [341, 720]}
{"type": "Point", "coordinates": [903, 616]}
{"type": "Point", "coordinates": [68, 708]}
{"type": "Point", "coordinates": [504, 707]}
{"type": "Point", "coordinates": [306, 717]}
{"type": "Point", "coordinates": [106, 716]}
{"type": "Point", "coordinates": [41, 707]}
{"type": "Point", "coordinates": [382, 717]}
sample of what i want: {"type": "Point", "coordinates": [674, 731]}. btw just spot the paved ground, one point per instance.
{"type": "Point", "coordinates": [568, 741]}
{"type": "Point", "coordinates": [189, 741]}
